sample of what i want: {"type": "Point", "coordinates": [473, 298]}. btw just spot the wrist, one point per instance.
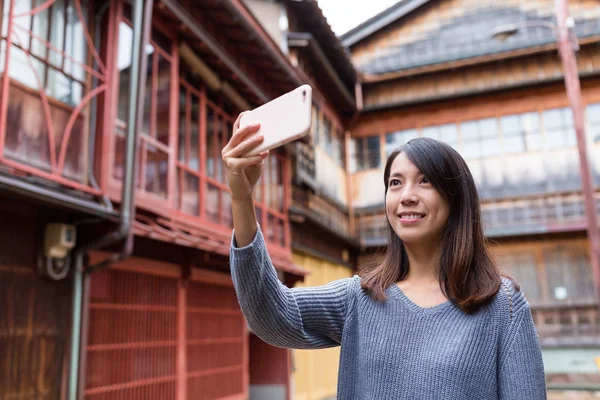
{"type": "Point", "coordinates": [243, 199]}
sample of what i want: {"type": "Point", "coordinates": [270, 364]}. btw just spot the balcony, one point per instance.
{"type": "Point", "coordinates": [540, 214]}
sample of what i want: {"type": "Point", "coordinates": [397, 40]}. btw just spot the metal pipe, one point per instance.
{"type": "Point", "coordinates": [566, 38]}
{"type": "Point", "coordinates": [142, 18]}
{"type": "Point", "coordinates": [75, 325]}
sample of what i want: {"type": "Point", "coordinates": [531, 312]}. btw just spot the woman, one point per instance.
{"type": "Point", "coordinates": [435, 320]}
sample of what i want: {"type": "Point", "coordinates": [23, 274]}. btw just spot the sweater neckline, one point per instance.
{"type": "Point", "coordinates": [397, 293]}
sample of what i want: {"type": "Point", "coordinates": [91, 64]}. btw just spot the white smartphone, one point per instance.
{"type": "Point", "coordinates": [282, 120]}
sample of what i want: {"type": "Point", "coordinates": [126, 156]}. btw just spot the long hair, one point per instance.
{"type": "Point", "coordinates": [468, 276]}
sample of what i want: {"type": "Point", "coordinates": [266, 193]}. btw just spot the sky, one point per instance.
{"type": "Point", "coordinates": [344, 15]}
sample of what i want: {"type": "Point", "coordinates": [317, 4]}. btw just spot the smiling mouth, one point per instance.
{"type": "Point", "coordinates": [411, 216]}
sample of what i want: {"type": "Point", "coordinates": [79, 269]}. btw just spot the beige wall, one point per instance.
{"type": "Point", "coordinates": [315, 372]}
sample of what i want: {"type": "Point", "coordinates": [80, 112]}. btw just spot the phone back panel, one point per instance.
{"type": "Point", "coordinates": [282, 120]}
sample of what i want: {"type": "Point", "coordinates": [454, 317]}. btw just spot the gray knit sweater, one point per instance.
{"type": "Point", "coordinates": [396, 349]}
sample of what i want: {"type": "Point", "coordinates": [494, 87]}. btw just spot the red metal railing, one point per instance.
{"type": "Point", "coordinates": [47, 90]}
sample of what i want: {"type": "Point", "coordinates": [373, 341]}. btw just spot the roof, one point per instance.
{"type": "Point", "coordinates": [311, 20]}
{"type": "Point", "coordinates": [470, 36]}
{"type": "Point", "coordinates": [380, 21]}
{"type": "Point", "coordinates": [229, 39]}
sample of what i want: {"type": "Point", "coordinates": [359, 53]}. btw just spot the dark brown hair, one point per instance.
{"type": "Point", "coordinates": [468, 276]}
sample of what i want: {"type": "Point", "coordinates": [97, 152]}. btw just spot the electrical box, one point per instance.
{"type": "Point", "coordinates": [59, 239]}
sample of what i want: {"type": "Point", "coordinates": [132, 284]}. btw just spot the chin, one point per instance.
{"type": "Point", "coordinates": [409, 237]}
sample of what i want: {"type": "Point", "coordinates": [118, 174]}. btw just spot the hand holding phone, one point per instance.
{"type": "Point", "coordinates": [282, 120]}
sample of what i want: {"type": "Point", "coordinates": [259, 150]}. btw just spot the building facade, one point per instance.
{"type": "Point", "coordinates": [435, 69]}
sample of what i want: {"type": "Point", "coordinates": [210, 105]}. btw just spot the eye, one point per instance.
{"type": "Point", "coordinates": [425, 180]}
{"type": "Point", "coordinates": [394, 182]}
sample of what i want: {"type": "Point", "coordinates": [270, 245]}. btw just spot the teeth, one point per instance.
{"type": "Point", "coordinates": [413, 216]}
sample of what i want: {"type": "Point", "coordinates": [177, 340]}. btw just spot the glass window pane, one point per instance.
{"type": "Point", "coordinates": [315, 123]}
{"type": "Point", "coordinates": [226, 209]}
{"type": "Point", "coordinates": [471, 150]}
{"type": "Point", "coordinates": [514, 144]}
{"type": "Point", "coordinates": [189, 199]}
{"type": "Point", "coordinates": [373, 152]}
{"type": "Point", "coordinates": [468, 130]}
{"type": "Point", "coordinates": [488, 128]}
{"type": "Point", "coordinates": [449, 134]}
{"type": "Point", "coordinates": [552, 119]}
{"type": "Point", "coordinates": [593, 113]}
{"type": "Point", "coordinates": [431, 132]}
{"type": "Point", "coordinates": [163, 100]}
{"type": "Point", "coordinates": [211, 203]}
{"type": "Point", "coordinates": [510, 125]}
{"type": "Point", "coordinates": [156, 171]}
{"type": "Point", "coordinates": [148, 117]}
{"type": "Point", "coordinates": [394, 140]}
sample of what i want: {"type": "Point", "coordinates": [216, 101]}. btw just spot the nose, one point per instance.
{"type": "Point", "coordinates": [408, 196]}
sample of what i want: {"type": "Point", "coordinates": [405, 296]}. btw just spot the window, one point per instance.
{"type": "Point", "coordinates": [593, 114]}
{"type": "Point", "coordinates": [446, 133]}
{"type": "Point", "coordinates": [154, 136]}
{"type": "Point", "coordinates": [558, 126]}
{"type": "Point", "coordinates": [394, 140]}
{"type": "Point", "coordinates": [522, 266]}
{"type": "Point", "coordinates": [480, 138]}
{"type": "Point", "coordinates": [571, 285]}
{"type": "Point", "coordinates": [520, 133]}
{"type": "Point", "coordinates": [339, 149]}
{"type": "Point", "coordinates": [315, 123]}
{"type": "Point", "coordinates": [327, 135]}
{"type": "Point", "coordinates": [48, 53]}
{"type": "Point", "coordinates": [365, 153]}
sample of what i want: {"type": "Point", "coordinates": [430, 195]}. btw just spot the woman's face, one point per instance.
{"type": "Point", "coordinates": [415, 209]}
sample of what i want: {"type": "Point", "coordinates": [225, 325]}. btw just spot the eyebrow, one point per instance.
{"type": "Point", "coordinates": [400, 175]}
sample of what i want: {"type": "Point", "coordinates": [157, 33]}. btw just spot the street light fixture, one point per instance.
{"type": "Point", "coordinates": [567, 45]}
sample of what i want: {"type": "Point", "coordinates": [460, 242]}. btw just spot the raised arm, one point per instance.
{"type": "Point", "coordinates": [298, 318]}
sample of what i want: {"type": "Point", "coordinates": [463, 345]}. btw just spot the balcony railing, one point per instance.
{"type": "Point", "coordinates": [544, 214]}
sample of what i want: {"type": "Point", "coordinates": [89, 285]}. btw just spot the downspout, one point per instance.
{"type": "Point", "coordinates": [142, 18]}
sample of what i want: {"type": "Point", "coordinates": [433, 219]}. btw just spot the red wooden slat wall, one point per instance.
{"type": "Point", "coordinates": [155, 337]}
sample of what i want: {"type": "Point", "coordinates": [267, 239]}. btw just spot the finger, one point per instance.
{"type": "Point", "coordinates": [244, 147]}
{"type": "Point", "coordinates": [236, 124]}
{"type": "Point", "coordinates": [241, 163]}
{"type": "Point", "coordinates": [238, 136]}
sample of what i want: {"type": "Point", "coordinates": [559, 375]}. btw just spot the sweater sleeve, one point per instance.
{"type": "Point", "coordinates": [521, 372]}
{"type": "Point", "coordinates": [302, 318]}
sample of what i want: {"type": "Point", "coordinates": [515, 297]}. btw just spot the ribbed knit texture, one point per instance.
{"type": "Point", "coordinates": [396, 349]}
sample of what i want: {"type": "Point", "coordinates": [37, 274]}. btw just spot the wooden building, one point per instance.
{"type": "Point", "coordinates": [434, 69]}
{"type": "Point", "coordinates": [124, 151]}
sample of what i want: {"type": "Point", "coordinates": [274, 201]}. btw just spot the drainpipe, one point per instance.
{"type": "Point", "coordinates": [142, 18]}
